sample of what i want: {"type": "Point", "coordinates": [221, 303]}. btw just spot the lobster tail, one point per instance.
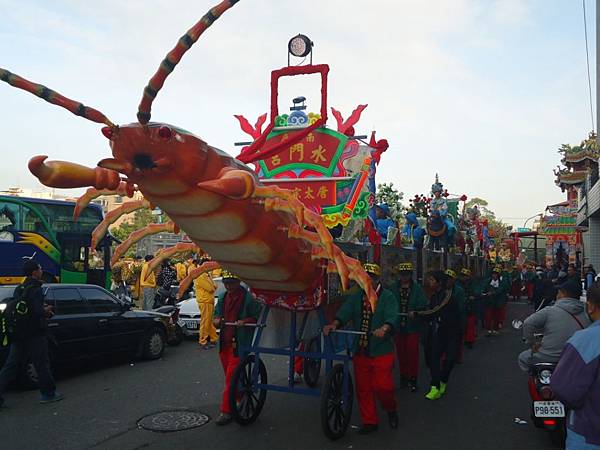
{"type": "Point", "coordinates": [174, 56]}
{"type": "Point", "coordinates": [79, 109]}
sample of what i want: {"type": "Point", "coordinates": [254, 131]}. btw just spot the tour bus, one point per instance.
{"type": "Point", "coordinates": [44, 230]}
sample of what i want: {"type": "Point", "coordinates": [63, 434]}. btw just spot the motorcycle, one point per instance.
{"type": "Point", "coordinates": [166, 305]}
{"type": "Point", "coordinates": [546, 411]}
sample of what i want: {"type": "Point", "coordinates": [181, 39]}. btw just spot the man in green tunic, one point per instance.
{"type": "Point", "coordinates": [410, 298]}
{"type": "Point", "coordinates": [373, 354]}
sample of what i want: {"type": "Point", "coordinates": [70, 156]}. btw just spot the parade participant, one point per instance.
{"type": "Point", "coordinates": [148, 284]}
{"type": "Point", "coordinates": [589, 276]}
{"type": "Point", "coordinates": [466, 283]}
{"type": "Point", "coordinates": [136, 289]}
{"type": "Point", "coordinates": [461, 299]}
{"type": "Point", "coordinates": [557, 323]}
{"type": "Point", "coordinates": [494, 295]}
{"type": "Point", "coordinates": [181, 269]}
{"type": "Point", "coordinates": [544, 292]}
{"type": "Point", "coordinates": [439, 205]}
{"type": "Point", "coordinates": [205, 288]}
{"type": "Point", "coordinates": [237, 305]}
{"type": "Point", "coordinates": [27, 332]}
{"type": "Point", "coordinates": [166, 277]}
{"type": "Point", "coordinates": [383, 221]}
{"type": "Point", "coordinates": [443, 332]}
{"type": "Point", "coordinates": [515, 283]}
{"type": "Point", "coordinates": [530, 282]}
{"type": "Point", "coordinates": [412, 233]}
{"type": "Point", "coordinates": [506, 278]}
{"type": "Point", "coordinates": [576, 380]}
{"type": "Point", "coordinates": [373, 356]}
{"type": "Point", "coordinates": [410, 297]}
{"type": "Point", "coordinates": [192, 264]}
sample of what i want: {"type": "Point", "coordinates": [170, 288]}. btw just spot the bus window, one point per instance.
{"type": "Point", "coordinates": [32, 222]}
{"type": "Point", "coordinates": [73, 256]}
{"type": "Point", "coordinates": [60, 218]}
{"type": "Point", "coordinates": [9, 216]}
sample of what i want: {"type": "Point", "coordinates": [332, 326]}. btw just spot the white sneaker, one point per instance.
{"type": "Point", "coordinates": [297, 378]}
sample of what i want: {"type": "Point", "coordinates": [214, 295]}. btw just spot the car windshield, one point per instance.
{"type": "Point", "coordinates": [6, 292]}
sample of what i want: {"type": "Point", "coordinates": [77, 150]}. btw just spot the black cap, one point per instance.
{"type": "Point", "coordinates": [571, 287]}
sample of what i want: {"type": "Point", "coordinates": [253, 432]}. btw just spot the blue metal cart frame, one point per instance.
{"type": "Point", "coordinates": [249, 383]}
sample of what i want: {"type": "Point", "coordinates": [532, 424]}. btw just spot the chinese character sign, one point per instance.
{"type": "Point", "coordinates": [314, 194]}
{"type": "Point", "coordinates": [319, 151]}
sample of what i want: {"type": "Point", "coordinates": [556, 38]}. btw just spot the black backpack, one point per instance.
{"type": "Point", "coordinates": [17, 318]}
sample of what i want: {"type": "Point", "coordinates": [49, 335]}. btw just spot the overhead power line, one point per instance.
{"type": "Point", "coordinates": [587, 56]}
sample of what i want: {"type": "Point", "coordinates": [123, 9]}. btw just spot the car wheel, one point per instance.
{"type": "Point", "coordinates": [178, 336]}
{"type": "Point", "coordinates": [154, 344]}
{"type": "Point", "coordinates": [28, 378]}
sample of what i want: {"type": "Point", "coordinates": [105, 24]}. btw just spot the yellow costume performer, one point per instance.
{"type": "Point", "coordinates": [205, 289]}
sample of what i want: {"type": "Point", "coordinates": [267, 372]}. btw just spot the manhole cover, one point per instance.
{"type": "Point", "coordinates": [173, 421]}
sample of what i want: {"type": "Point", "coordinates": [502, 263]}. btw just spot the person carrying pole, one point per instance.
{"type": "Point", "coordinates": [373, 355]}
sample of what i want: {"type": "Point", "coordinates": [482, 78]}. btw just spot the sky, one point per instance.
{"type": "Point", "coordinates": [482, 92]}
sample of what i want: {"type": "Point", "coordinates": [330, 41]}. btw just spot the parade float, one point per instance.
{"type": "Point", "coordinates": [277, 240]}
{"type": "Point", "coordinates": [330, 171]}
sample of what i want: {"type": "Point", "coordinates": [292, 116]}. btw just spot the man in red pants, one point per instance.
{"type": "Point", "coordinates": [495, 299]}
{"type": "Point", "coordinates": [410, 298]}
{"type": "Point", "coordinates": [471, 323]}
{"type": "Point", "coordinates": [373, 355]}
{"type": "Point", "coordinates": [237, 306]}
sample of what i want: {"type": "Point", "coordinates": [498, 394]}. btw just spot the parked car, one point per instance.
{"type": "Point", "coordinates": [90, 321]}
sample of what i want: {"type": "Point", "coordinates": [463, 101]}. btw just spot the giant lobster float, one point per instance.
{"type": "Point", "coordinates": [265, 234]}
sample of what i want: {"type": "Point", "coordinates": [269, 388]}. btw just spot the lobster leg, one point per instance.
{"type": "Point", "coordinates": [63, 174]}
{"type": "Point", "coordinates": [195, 273]}
{"type": "Point", "coordinates": [112, 217]}
{"type": "Point", "coordinates": [282, 200]}
{"type": "Point", "coordinates": [165, 253]}
{"type": "Point", "coordinates": [304, 217]}
{"type": "Point", "coordinates": [137, 235]}
{"type": "Point", "coordinates": [353, 271]}
{"type": "Point", "coordinates": [124, 189]}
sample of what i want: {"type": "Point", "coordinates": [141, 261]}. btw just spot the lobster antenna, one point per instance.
{"type": "Point", "coordinates": [79, 109]}
{"type": "Point", "coordinates": [174, 56]}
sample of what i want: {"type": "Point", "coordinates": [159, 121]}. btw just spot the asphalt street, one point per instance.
{"type": "Point", "coordinates": [106, 399]}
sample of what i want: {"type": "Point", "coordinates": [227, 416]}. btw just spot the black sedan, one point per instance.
{"type": "Point", "coordinates": [90, 321]}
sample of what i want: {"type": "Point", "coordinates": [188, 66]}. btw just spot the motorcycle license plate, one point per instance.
{"type": "Point", "coordinates": [548, 409]}
{"type": "Point", "coordinates": [192, 325]}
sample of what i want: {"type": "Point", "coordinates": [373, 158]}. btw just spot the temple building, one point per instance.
{"type": "Point", "coordinates": [574, 229]}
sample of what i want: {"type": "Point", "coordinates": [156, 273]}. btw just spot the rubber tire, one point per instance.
{"type": "Point", "coordinates": [147, 352]}
{"type": "Point", "coordinates": [333, 392]}
{"type": "Point", "coordinates": [311, 368]}
{"type": "Point", "coordinates": [559, 436]}
{"type": "Point", "coordinates": [242, 374]}
{"type": "Point", "coordinates": [179, 336]}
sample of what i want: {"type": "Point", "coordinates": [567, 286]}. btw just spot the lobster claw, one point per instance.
{"type": "Point", "coordinates": [234, 183]}
{"type": "Point", "coordinates": [66, 175]}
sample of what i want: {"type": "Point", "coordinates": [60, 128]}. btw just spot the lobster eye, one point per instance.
{"type": "Point", "coordinates": [108, 132]}
{"type": "Point", "coordinates": [165, 132]}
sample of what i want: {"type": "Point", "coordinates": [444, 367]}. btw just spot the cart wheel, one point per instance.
{"type": "Point", "coordinates": [335, 413]}
{"type": "Point", "coordinates": [245, 399]}
{"type": "Point", "coordinates": [312, 366]}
